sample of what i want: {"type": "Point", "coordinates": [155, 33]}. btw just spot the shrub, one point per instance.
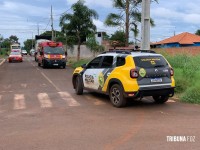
{"type": "Point", "coordinates": [192, 94]}
{"type": "Point", "coordinates": [80, 62]}
{"type": "Point", "coordinates": [181, 84]}
{"type": "Point", "coordinates": [178, 61]}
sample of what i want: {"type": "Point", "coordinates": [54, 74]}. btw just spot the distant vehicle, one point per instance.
{"type": "Point", "coordinates": [15, 46]}
{"type": "Point", "coordinates": [38, 40]}
{"type": "Point", "coordinates": [24, 52]}
{"type": "Point", "coordinates": [51, 54]}
{"type": "Point", "coordinates": [32, 52]}
{"type": "Point", "coordinates": [15, 56]}
{"type": "Point", "coordinates": [16, 50]}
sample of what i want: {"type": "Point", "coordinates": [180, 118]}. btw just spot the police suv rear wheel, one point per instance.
{"type": "Point", "coordinates": [160, 99]}
{"type": "Point", "coordinates": [116, 96]}
{"type": "Point", "coordinates": [79, 86]}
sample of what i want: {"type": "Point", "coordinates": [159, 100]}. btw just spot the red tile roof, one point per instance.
{"type": "Point", "coordinates": [183, 38]}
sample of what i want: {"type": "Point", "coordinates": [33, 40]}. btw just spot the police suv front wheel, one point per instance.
{"type": "Point", "coordinates": [160, 99]}
{"type": "Point", "coordinates": [79, 86]}
{"type": "Point", "coordinates": [116, 96]}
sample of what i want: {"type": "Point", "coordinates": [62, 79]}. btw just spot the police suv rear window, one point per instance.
{"type": "Point", "coordinates": [150, 61]}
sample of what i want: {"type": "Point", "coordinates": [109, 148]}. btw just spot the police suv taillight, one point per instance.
{"type": "Point", "coordinates": [171, 71]}
{"type": "Point", "coordinates": [133, 73]}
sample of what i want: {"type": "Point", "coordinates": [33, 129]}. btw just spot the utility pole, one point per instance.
{"type": "Point", "coordinates": [38, 29]}
{"type": "Point", "coordinates": [127, 23]}
{"type": "Point", "coordinates": [145, 27]}
{"type": "Point", "coordinates": [32, 41]}
{"type": "Point", "coordinates": [52, 32]}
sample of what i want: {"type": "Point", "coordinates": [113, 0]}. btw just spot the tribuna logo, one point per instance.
{"type": "Point", "coordinates": [180, 138]}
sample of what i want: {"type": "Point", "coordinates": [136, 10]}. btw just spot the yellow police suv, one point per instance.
{"type": "Point", "coordinates": [126, 74]}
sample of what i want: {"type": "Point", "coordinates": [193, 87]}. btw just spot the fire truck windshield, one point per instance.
{"type": "Point", "coordinates": [53, 50]}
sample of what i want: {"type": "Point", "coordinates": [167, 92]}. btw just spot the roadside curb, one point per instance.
{"type": "Point", "coordinates": [2, 61]}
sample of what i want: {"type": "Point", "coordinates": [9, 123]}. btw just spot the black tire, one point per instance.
{"type": "Point", "coordinates": [64, 66]}
{"type": "Point", "coordinates": [79, 86]}
{"type": "Point", "coordinates": [160, 99]}
{"type": "Point", "coordinates": [39, 64]}
{"type": "Point", "coordinates": [116, 96]}
{"type": "Point", "coordinates": [43, 65]}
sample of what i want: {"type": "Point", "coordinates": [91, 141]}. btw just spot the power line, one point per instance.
{"type": "Point", "coordinates": [63, 12]}
{"type": "Point", "coordinates": [47, 25]}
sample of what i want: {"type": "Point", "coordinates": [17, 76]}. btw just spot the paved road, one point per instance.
{"type": "Point", "coordinates": [40, 111]}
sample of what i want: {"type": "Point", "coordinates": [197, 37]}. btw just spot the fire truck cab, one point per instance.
{"type": "Point", "coordinates": [51, 54]}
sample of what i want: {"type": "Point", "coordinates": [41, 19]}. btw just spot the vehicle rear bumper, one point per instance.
{"type": "Point", "coordinates": [15, 59]}
{"type": "Point", "coordinates": [168, 92]}
{"type": "Point", "coordinates": [59, 62]}
{"type": "Point", "coordinates": [151, 92]}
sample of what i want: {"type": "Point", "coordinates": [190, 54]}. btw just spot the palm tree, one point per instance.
{"type": "Point", "coordinates": [79, 25]}
{"type": "Point", "coordinates": [129, 16]}
{"type": "Point", "coordinates": [94, 45]}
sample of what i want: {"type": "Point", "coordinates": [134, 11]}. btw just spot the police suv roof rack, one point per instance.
{"type": "Point", "coordinates": [144, 51]}
{"type": "Point", "coordinates": [128, 51]}
{"type": "Point", "coordinates": [118, 51]}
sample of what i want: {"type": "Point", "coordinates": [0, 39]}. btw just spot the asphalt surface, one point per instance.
{"type": "Point", "coordinates": [39, 110]}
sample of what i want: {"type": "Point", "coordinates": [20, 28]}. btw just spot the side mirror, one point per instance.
{"type": "Point", "coordinates": [84, 66]}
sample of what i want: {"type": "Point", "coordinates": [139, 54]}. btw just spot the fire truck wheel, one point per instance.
{"type": "Point", "coordinates": [43, 64]}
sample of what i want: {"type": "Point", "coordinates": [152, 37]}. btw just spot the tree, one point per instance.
{"type": "Point", "coordinates": [6, 43]}
{"type": "Point", "coordinates": [94, 45]}
{"type": "Point", "coordinates": [1, 38]}
{"type": "Point", "coordinates": [59, 36]}
{"type": "Point", "coordinates": [28, 44]}
{"type": "Point", "coordinates": [118, 39]}
{"type": "Point", "coordinates": [198, 32]}
{"type": "Point", "coordinates": [79, 25]}
{"type": "Point", "coordinates": [129, 16]}
{"type": "Point", "coordinates": [13, 39]}
{"type": "Point", "coordinates": [46, 33]}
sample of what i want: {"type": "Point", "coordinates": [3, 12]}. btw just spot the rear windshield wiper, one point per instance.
{"type": "Point", "coordinates": [157, 66]}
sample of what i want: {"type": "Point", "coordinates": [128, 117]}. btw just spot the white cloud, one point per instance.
{"type": "Point", "coordinates": [102, 28]}
{"type": "Point", "coordinates": [161, 12]}
{"type": "Point", "coordinates": [170, 16]}
{"type": "Point", "coordinates": [192, 18]}
{"type": "Point", "coordinates": [20, 8]}
{"type": "Point", "coordinates": [96, 3]}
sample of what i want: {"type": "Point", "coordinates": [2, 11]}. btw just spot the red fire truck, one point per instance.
{"type": "Point", "coordinates": [51, 54]}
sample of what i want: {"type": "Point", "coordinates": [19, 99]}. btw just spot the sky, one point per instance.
{"type": "Point", "coordinates": [27, 18]}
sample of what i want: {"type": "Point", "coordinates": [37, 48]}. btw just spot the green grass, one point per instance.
{"type": "Point", "coordinates": [3, 52]}
{"type": "Point", "coordinates": [187, 76]}
{"type": "Point", "coordinates": [73, 63]}
{"type": "Point", "coordinates": [192, 94]}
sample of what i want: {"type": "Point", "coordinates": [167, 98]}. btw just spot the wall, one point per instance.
{"type": "Point", "coordinates": [180, 50]}
{"type": "Point", "coordinates": [84, 52]}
